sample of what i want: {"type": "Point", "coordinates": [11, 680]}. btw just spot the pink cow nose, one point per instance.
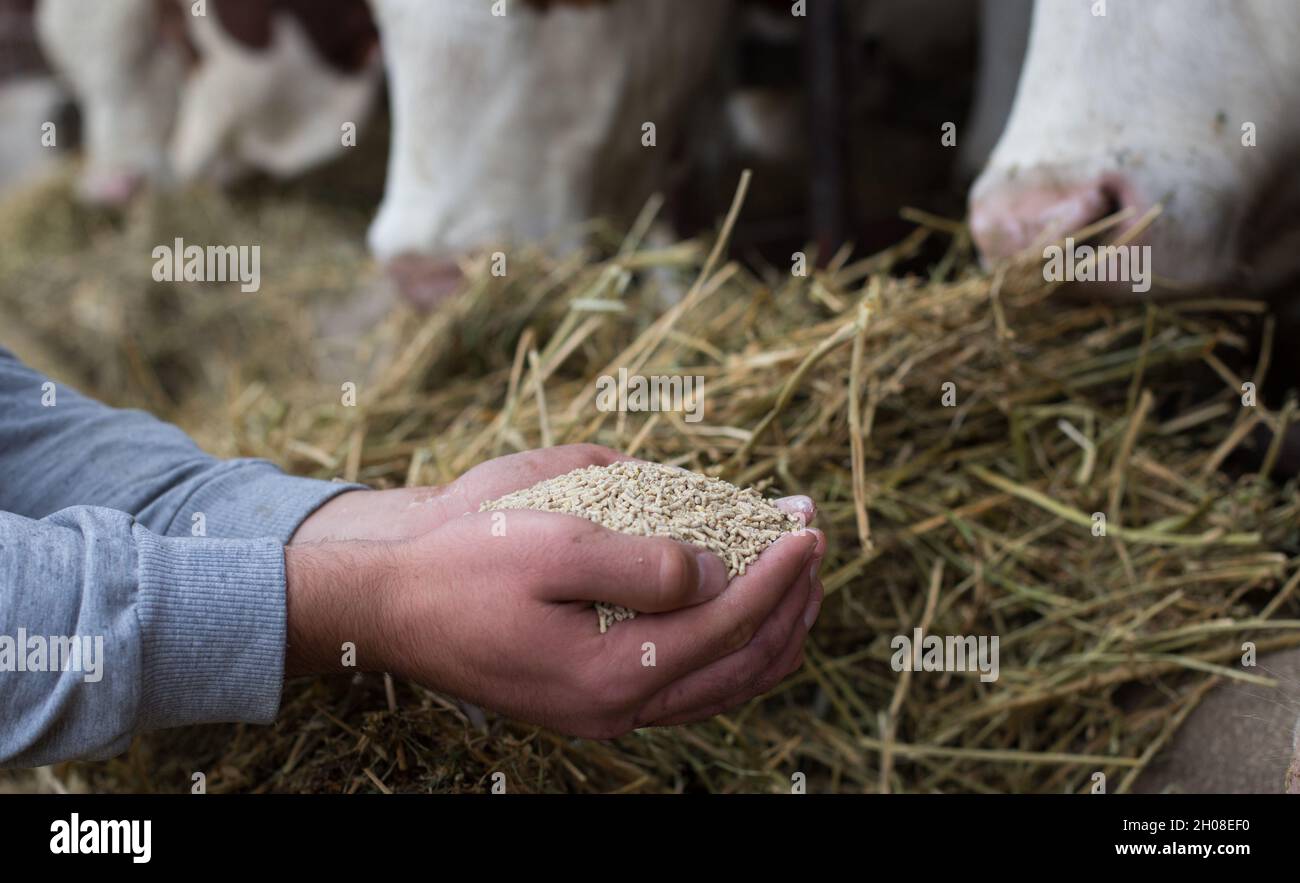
{"type": "Point", "coordinates": [1012, 218]}
{"type": "Point", "coordinates": [423, 281]}
{"type": "Point", "coordinates": [111, 189]}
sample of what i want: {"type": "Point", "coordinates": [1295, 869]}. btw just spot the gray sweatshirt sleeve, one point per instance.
{"type": "Point", "coordinates": [113, 618]}
{"type": "Point", "coordinates": [60, 449]}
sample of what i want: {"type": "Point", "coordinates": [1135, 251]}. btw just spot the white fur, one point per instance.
{"type": "Point", "coordinates": [124, 80]}
{"type": "Point", "coordinates": [1158, 90]}
{"type": "Point", "coordinates": [521, 126]}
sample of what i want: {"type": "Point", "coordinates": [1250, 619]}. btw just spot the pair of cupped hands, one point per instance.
{"type": "Point", "coordinates": [420, 583]}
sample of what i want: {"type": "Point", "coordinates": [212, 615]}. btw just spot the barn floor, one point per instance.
{"type": "Point", "coordinates": [974, 519]}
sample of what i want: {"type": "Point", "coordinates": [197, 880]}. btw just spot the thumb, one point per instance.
{"type": "Point", "coordinates": [648, 574]}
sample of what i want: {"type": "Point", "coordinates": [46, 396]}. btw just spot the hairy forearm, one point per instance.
{"type": "Point", "coordinates": [336, 606]}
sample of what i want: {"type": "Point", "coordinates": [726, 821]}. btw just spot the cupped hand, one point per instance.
{"type": "Point", "coordinates": [503, 618]}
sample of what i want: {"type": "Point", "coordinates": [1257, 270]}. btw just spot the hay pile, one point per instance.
{"type": "Point", "coordinates": [970, 514]}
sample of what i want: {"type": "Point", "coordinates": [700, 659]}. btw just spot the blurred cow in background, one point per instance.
{"type": "Point", "coordinates": [29, 98]}
{"type": "Point", "coordinates": [524, 125]}
{"type": "Point", "coordinates": [125, 76]}
{"type": "Point", "coordinates": [274, 85]}
{"type": "Point", "coordinates": [1189, 104]}
{"type": "Point", "coordinates": [248, 85]}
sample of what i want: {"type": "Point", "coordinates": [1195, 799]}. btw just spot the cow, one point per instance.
{"type": "Point", "coordinates": [124, 77]}
{"type": "Point", "coordinates": [523, 125]}
{"type": "Point", "coordinates": [30, 98]}
{"type": "Point", "coordinates": [1126, 106]}
{"type": "Point", "coordinates": [173, 90]}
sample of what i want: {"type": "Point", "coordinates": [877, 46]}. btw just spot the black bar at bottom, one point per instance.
{"type": "Point", "coordinates": [621, 834]}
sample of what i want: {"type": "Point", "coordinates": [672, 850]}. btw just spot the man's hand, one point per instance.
{"type": "Point", "coordinates": [505, 621]}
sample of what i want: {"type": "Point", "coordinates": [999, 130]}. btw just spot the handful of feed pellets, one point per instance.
{"type": "Point", "coordinates": [651, 499]}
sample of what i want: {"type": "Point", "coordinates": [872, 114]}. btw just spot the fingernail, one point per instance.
{"type": "Point", "coordinates": [713, 574]}
{"type": "Point", "coordinates": [820, 549]}
{"type": "Point", "coordinates": [814, 577]}
{"type": "Point", "coordinates": [814, 607]}
{"type": "Point", "coordinates": [796, 503]}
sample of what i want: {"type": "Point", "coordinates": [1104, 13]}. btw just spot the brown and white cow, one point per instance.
{"type": "Point", "coordinates": [1129, 104]}
{"type": "Point", "coordinates": [274, 84]}
{"type": "Point", "coordinates": [174, 89]}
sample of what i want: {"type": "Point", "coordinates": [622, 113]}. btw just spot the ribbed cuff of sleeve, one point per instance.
{"type": "Point", "coordinates": [212, 628]}
{"type": "Point", "coordinates": [253, 498]}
